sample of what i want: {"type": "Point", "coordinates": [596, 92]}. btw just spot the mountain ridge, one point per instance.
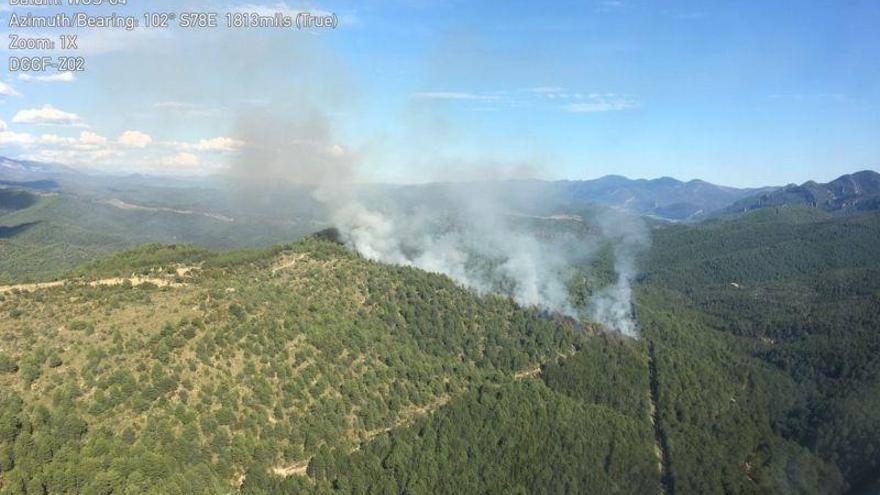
{"type": "Point", "coordinates": [858, 191]}
{"type": "Point", "coordinates": [664, 197]}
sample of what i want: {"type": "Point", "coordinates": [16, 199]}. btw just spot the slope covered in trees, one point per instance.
{"type": "Point", "coordinates": [576, 429]}
{"type": "Point", "coordinates": [849, 193]}
{"type": "Point", "coordinates": [766, 329]}
{"type": "Point", "coordinates": [248, 370]}
{"type": "Point", "coordinates": [304, 368]}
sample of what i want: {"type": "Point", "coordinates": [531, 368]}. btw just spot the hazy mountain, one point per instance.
{"type": "Point", "coordinates": [852, 192]}
{"type": "Point", "coordinates": [665, 197]}
{"type": "Point", "coordinates": [24, 170]}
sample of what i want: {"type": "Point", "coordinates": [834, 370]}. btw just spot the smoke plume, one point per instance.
{"type": "Point", "coordinates": [489, 236]}
{"type": "Point", "coordinates": [485, 235]}
{"type": "Point", "coordinates": [612, 306]}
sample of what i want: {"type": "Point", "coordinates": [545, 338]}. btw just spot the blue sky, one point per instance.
{"type": "Point", "coordinates": [737, 93]}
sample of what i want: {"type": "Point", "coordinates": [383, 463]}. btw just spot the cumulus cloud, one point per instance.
{"type": "Point", "coordinates": [219, 144]}
{"type": "Point", "coordinates": [87, 141]}
{"type": "Point", "coordinates": [8, 137]}
{"type": "Point", "coordinates": [71, 156]}
{"type": "Point", "coordinates": [7, 90]}
{"type": "Point", "coordinates": [88, 149]}
{"type": "Point", "coordinates": [91, 138]}
{"type": "Point", "coordinates": [46, 115]}
{"type": "Point", "coordinates": [15, 138]}
{"type": "Point", "coordinates": [56, 140]}
{"type": "Point", "coordinates": [134, 139]}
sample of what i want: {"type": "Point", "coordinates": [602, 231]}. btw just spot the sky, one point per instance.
{"type": "Point", "coordinates": [737, 93]}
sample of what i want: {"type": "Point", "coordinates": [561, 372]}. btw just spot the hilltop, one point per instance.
{"type": "Point", "coordinates": [859, 191]}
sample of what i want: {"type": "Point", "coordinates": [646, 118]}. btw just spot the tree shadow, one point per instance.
{"type": "Point", "coordinates": [9, 232]}
{"type": "Point", "coordinates": [13, 199]}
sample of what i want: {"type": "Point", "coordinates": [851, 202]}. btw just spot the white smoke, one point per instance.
{"type": "Point", "coordinates": [470, 240]}
{"type": "Point", "coordinates": [467, 231]}
{"type": "Point", "coordinates": [470, 234]}
{"type": "Point", "coordinates": [612, 306]}
{"type": "Point", "coordinates": [478, 234]}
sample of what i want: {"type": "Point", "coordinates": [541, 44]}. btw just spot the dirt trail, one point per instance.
{"type": "Point", "coordinates": [287, 262]}
{"type": "Point", "coordinates": [660, 448]}
{"type": "Point", "coordinates": [161, 282]}
{"type": "Point", "coordinates": [122, 205]}
{"type": "Point", "coordinates": [295, 469]}
{"type": "Point", "coordinates": [407, 416]}
{"type": "Point", "coordinates": [530, 373]}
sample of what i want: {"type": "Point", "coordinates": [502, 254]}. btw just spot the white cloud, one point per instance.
{"type": "Point", "coordinates": [219, 144]}
{"type": "Point", "coordinates": [88, 150]}
{"type": "Point", "coordinates": [87, 141]}
{"type": "Point", "coordinates": [90, 138]}
{"type": "Point", "coordinates": [93, 158]}
{"type": "Point", "coordinates": [59, 77]}
{"type": "Point", "coordinates": [47, 115]}
{"type": "Point", "coordinates": [2, 126]}
{"type": "Point", "coordinates": [7, 90]}
{"type": "Point", "coordinates": [222, 144]}
{"type": "Point", "coordinates": [16, 138]}
{"type": "Point", "coordinates": [134, 139]}
{"type": "Point", "coordinates": [55, 140]}
{"type": "Point", "coordinates": [608, 102]}
{"type": "Point", "coordinates": [182, 159]}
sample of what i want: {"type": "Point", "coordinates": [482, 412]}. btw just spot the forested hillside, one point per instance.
{"type": "Point", "coordinates": [305, 368]}
{"type": "Point", "coordinates": [766, 338]}
{"type": "Point", "coordinates": [846, 194]}
{"type": "Point", "coordinates": [176, 370]}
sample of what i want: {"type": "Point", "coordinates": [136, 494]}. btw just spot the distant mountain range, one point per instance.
{"type": "Point", "coordinates": [665, 198]}
{"type": "Point", "coordinates": [852, 192]}
{"type": "Point", "coordinates": [23, 170]}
